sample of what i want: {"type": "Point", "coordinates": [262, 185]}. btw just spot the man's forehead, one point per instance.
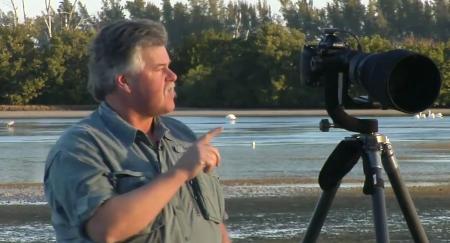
{"type": "Point", "coordinates": [155, 54]}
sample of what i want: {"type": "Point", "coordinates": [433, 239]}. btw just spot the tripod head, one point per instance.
{"type": "Point", "coordinates": [335, 97]}
{"type": "Point", "coordinates": [399, 79]}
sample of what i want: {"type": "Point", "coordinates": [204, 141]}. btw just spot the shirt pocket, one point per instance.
{"type": "Point", "coordinates": [176, 151]}
{"type": "Point", "coordinates": [210, 197]}
{"type": "Point", "coordinates": [128, 180]}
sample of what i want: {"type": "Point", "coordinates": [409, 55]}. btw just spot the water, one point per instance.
{"type": "Point", "coordinates": [284, 147]}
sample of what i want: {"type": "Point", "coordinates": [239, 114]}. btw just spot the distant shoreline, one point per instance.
{"type": "Point", "coordinates": [10, 114]}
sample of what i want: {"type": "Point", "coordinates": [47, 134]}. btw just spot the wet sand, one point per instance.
{"type": "Point", "coordinates": [246, 212]}
{"type": "Point", "coordinates": [303, 206]}
{"type": "Point", "coordinates": [267, 209]}
{"type": "Point", "coordinates": [19, 201]}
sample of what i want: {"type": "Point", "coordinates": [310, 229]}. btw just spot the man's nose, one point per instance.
{"type": "Point", "coordinates": [171, 75]}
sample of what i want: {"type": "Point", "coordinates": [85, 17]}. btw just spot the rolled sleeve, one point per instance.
{"type": "Point", "coordinates": [77, 184]}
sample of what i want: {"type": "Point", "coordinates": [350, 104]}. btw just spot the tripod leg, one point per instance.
{"type": "Point", "coordinates": [404, 199]}
{"type": "Point", "coordinates": [320, 213]}
{"type": "Point", "coordinates": [339, 163]}
{"type": "Point", "coordinates": [373, 169]}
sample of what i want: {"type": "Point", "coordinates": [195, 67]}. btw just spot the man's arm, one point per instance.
{"type": "Point", "coordinates": [125, 215]}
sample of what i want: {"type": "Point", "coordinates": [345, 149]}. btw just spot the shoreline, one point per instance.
{"type": "Point", "coordinates": [32, 194]}
{"type": "Point", "coordinates": [7, 114]}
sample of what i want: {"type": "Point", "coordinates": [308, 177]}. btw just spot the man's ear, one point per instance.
{"type": "Point", "coordinates": [122, 83]}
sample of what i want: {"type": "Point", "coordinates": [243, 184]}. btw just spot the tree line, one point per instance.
{"type": "Point", "coordinates": [238, 54]}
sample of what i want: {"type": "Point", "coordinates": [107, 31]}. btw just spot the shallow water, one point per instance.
{"type": "Point", "coordinates": [284, 146]}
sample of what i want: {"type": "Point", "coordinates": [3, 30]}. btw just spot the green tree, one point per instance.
{"type": "Point", "coordinates": [425, 28]}
{"type": "Point", "coordinates": [66, 16]}
{"type": "Point", "coordinates": [390, 10]}
{"type": "Point", "coordinates": [290, 14]}
{"type": "Point", "coordinates": [139, 9]}
{"type": "Point", "coordinates": [353, 12]}
{"type": "Point", "coordinates": [444, 98]}
{"type": "Point", "coordinates": [66, 71]}
{"type": "Point", "coordinates": [111, 10]}
{"type": "Point", "coordinates": [199, 63]}
{"type": "Point", "coordinates": [180, 26]}
{"type": "Point", "coordinates": [303, 16]}
{"type": "Point", "coordinates": [278, 50]}
{"type": "Point", "coordinates": [260, 71]}
{"type": "Point", "coordinates": [441, 10]}
{"type": "Point", "coordinates": [264, 12]}
{"type": "Point", "coordinates": [334, 14]}
{"type": "Point", "coordinates": [374, 22]}
{"type": "Point", "coordinates": [87, 22]}
{"type": "Point", "coordinates": [410, 17]}
{"type": "Point", "coordinates": [214, 7]}
{"type": "Point", "coordinates": [376, 44]}
{"type": "Point", "coordinates": [20, 65]}
{"type": "Point", "coordinates": [167, 13]}
{"type": "Point", "coordinates": [7, 19]}
{"type": "Point", "coordinates": [198, 13]}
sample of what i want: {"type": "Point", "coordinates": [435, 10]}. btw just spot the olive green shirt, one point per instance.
{"type": "Point", "coordinates": [103, 156]}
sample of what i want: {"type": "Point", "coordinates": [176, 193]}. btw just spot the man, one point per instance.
{"type": "Point", "coordinates": [125, 173]}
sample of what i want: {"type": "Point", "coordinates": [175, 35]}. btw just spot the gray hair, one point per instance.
{"type": "Point", "coordinates": [115, 51]}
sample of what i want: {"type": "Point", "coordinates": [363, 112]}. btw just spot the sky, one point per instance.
{"type": "Point", "coordinates": [35, 7]}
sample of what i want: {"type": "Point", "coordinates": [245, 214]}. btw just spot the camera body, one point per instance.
{"type": "Point", "coordinates": [331, 52]}
{"type": "Point", "coordinates": [398, 79]}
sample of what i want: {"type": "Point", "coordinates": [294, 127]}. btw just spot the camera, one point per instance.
{"type": "Point", "coordinates": [399, 79]}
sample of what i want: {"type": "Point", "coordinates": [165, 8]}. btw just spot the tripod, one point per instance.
{"type": "Point", "coordinates": [377, 153]}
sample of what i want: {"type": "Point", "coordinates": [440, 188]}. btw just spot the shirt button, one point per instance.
{"type": "Point", "coordinates": [186, 238]}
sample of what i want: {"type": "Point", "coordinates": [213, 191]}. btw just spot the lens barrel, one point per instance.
{"type": "Point", "coordinates": [398, 79]}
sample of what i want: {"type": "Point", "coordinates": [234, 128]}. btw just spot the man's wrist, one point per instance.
{"type": "Point", "coordinates": [179, 174]}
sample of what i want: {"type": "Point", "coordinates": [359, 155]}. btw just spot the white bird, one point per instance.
{"type": "Point", "coordinates": [253, 145]}
{"type": "Point", "coordinates": [430, 114]}
{"type": "Point", "coordinates": [422, 115]}
{"type": "Point", "coordinates": [417, 116]}
{"type": "Point", "coordinates": [439, 115]}
{"type": "Point", "coordinates": [231, 117]}
{"type": "Point", "coordinates": [10, 123]}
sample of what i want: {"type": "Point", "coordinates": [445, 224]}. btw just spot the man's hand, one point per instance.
{"type": "Point", "coordinates": [124, 215]}
{"type": "Point", "coordinates": [200, 156]}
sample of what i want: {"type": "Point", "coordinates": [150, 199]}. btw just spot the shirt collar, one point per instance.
{"type": "Point", "coordinates": [125, 132]}
{"type": "Point", "coordinates": [160, 129]}
{"type": "Point", "coordinates": [118, 126]}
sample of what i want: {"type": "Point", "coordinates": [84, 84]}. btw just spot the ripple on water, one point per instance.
{"type": "Point", "coordinates": [32, 232]}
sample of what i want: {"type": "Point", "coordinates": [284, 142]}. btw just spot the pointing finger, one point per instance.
{"type": "Point", "coordinates": [210, 135]}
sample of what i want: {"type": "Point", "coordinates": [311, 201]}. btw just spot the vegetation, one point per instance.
{"type": "Point", "coordinates": [238, 54]}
